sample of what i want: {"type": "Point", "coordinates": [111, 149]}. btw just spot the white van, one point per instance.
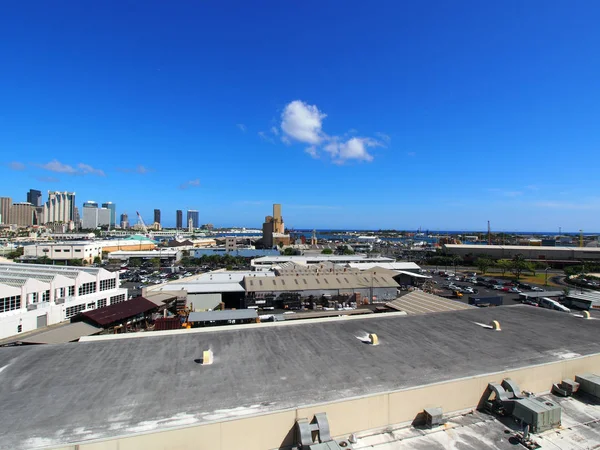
{"type": "Point", "coordinates": [546, 302]}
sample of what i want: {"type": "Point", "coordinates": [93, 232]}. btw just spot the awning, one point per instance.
{"type": "Point", "coordinates": [60, 335]}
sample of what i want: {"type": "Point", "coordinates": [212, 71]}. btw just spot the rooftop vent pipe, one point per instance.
{"type": "Point", "coordinates": [495, 325]}
{"type": "Point", "coordinates": [207, 357]}
{"type": "Point", "coordinates": [374, 339]}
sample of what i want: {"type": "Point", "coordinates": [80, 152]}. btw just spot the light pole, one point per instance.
{"type": "Point", "coordinates": [546, 270]}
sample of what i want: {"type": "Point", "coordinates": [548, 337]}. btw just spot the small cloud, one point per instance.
{"type": "Point", "coordinates": [142, 170]}
{"type": "Point", "coordinates": [190, 184]}
{"type": "Point", "coordinates": [241, 126]}
{"type": "Point", "coordinates": [285, 140]}
{"type": "Point", "coordinates": [266, 137]}
{"type": "Point", "coordinates": [81, 169]}
{"type": "Point", "coordinates": [275, 131]}
{"type": "Point", "coordinates": [48, 179]}
{"type": "Point", "coordinates": [58, 167]}
{"type": "Point", "coordinates": [87, 169]}
{"type": "Point", "coordinates": [384, 137]}
{"type": "Point", "coordinates": [303, 122]}
{"type": "Point", "coordinates": [312, 151]}
{"type": "Point", "coordinates": [16, 165]}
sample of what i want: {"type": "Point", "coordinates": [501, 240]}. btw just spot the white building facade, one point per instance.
{"type": "Point", "coordinates": [33, 296]}
{"type": "Point", "coordinates": [60, 207]}
{"type": "Point", "coordinates": [85, 251]}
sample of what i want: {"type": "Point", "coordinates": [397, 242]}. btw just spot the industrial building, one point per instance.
{"type": "Point", "coordinates": [33, 296]}
{"type": "Point", "coordinates": [243, 252]}
{"type": "Point", "coordinates": [166, 255]}
{"type": "Point", "coordinates": [268, 262]}
{"type": "Point", "coordinates": [261, 386]}
{"type": "Point", "coordinates": [529, 252]}
{"type": "Point", "coordinates": [88, 250]}
{"type": "Point", "coordinates": [354, 287]}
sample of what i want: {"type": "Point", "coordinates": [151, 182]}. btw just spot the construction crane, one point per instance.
{"type": "Point", "coordinates": [144, 227]}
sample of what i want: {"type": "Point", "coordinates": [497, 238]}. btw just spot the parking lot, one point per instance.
{"type": "Point", "coordinates": [442, 286]}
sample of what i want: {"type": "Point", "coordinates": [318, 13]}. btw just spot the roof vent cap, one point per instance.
{"type": "Point", "coordinates": [495, 325]}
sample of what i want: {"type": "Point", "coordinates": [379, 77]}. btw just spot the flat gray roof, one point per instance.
{"type": "Point", "coordinates": [419, 302]}
{"type": "Point", "coordinates": [68, 333]}
{"type": "Point", "coordinates": [59, 394]}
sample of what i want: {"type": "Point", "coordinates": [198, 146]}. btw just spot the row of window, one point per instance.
{"type": "Point", "coordinates": [10, 303]}
{"type": "Point", "coordinates": [108, 284]}
{"type": "Point", "coordinates": [87, 288]}
{"type": "Point", "coordinates": [117, 299]}
{"type": "Point", "coordinates": [72, 310]}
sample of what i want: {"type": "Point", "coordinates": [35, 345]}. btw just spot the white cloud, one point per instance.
{"type": "Point", "coordinates": [16, 165]}
{"type": "Point", "coordinates": [312, 151]}
{"type": "Point", "coordinates": [242, 127]}
{"type": "Point", "coordinates": [87, 169]}
{"type": "Point", "coordinates": [275, 131]}
{"type": "Point", "coordinates": [265, 137]}
{"type": "Point", "coordinates": [58, 167]}
{"type": "Point", "coordinates": [190, 183]}
{"type": "Point", "coordinates": [142, 170]}
{"type": "Point", "coordinates": [384, 137]}
{"type": "Point", "coordinates": [303, 122]}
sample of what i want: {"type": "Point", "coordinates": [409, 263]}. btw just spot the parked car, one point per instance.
{"type": "Point", "coordinates": [514, 290]}
{"type": "Point", "coordinates": [469, 290]}
{"type": "Point", "coordinates": [537, 289]}
{"type": "Point", "coordinates": [497, 287]}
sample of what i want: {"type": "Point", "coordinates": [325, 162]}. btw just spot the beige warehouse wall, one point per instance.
{"type": "Point", "coordinates": [271, 431]}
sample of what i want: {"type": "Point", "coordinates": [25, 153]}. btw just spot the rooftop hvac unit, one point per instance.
{"type": "Point", "coordinates": [539, 414]}
{"type": "Point", "coordinates": [433, 417]}
{"type": "Point", "coordinates": [565, 388]}
{"type": "Point", "coordinates": [589, 383]}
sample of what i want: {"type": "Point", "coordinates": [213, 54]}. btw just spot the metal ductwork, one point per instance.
{"type": "Point", "coordinates": [315, 435]}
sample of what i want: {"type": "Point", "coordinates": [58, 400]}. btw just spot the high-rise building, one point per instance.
{"type": "Point", "coordinates": [5, 205]}
{"type": "Point", "coordinates": [277, 219]}
{"type": "Point", "coordinates": [274, 229]}
{"type": "Point", "coordinates": [124, 221]}
{"type": "Point", "coordinates": [179, 219]}
{"type": "Point", "coordinates": [21, 214]}
{"type": "Point", "coordinates": [193, 215]}
{"type": "Point", "coordinates": [34, 197]}
{"type": "Point", "coordinates": [113, 212]}
{"type": "Point", "coordinates": [89, 219]}
{"type": "Point", "coordinates": [60, 207]}
{"type": "Point", "coordinates": [105, 217]}
{"type": "Point", "coordinates": [157, 216]}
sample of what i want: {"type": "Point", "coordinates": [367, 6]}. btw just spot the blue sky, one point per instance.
{"type": "Point", "coordinates": [440, 115]}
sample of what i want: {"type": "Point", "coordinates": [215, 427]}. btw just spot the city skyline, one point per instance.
{"type": "Point", "coordinates": [437, 116]}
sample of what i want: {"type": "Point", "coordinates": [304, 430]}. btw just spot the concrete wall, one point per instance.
{"type": "Point", "coordinates": [272, 431]}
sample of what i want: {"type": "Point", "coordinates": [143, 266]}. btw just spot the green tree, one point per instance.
{"type": "Point", "coordinates": [518, 265]}
{"type": "Point", "coordinates": [75, 262]}
{"type": "Point", "coordinates": [97, 260]}
{"type": "Point", "coordinates": [483, 264]}
{"type": "Point", "coordinates": [327, 251]}
{"type": "Point", "coordinates": [504, 265]}
{"type": "Point", "coordinates": [155, 262]}
{"type": "Point", "coordinates": [135, 262]}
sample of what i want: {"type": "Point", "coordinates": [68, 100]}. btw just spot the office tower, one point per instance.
{"type": "Point", "coordinates": [34, 197]}
{"type": "Point", "coordinates": [38, 215]}
{"type": "Point", "coordinates": [5, 205]}
{"type": "Point", "coordinates": [21, 214]}
{"type": "Point", "coordinates": [89, 221]}
{"type": "Point", "coordinates": [277, 219]}
{"type": "Point", "coordinates": [124, 221]}
{"type": "Point", "coordinates": [179, 221]}
{"type": "Point", "coordinates": [272, 226]}
{"type": "Point", "coordinates": [157, 216]}
{"type": "Point", "coordinates": [113, 212]}
{"type": "Point", "coordinates": [60, 207]}
{"type": "Point", "coordinates": [105, 217]}
{"type": "Point", "coordinates": [193, 215]}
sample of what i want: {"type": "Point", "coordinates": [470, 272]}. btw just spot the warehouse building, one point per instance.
{"type": "Point", "coordinates": [289, 290]}
{"type": "Point", "coordinates": [266, 379]}
{"type": "Point", "coordinates": [528, 252]}
{"type": "Point", "coordinates": [267, 262]}
{"type": "Point", "coordinates": [33, 296]}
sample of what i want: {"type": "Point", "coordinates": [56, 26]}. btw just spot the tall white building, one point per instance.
{"type": "Point", "coordinates": [33, 296]}
{"type": "Point", "coordinates": [94, 217]}
{"type": "Point", "coordinates": [60, 207]}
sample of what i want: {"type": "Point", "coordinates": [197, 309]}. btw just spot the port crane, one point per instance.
{"type": "Point", "coordinates": [143, 225]}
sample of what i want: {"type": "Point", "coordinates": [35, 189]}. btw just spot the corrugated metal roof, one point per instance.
{"type": "Point", "coordinates": [229, 314]}
{"type": "Point", "coordinates": [118, 312]}
{"type": "Point", "coordinates": [419, 302]}
{"type": "Point", "coordinates": [325, 281]}
{"type": "Point", "coordinates": [203, 288]}
{"type": "Point", "coordinates": [60, 335]}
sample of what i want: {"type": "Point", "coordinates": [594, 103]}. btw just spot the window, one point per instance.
{"type": "Point", "coordinates": [102, 303]}
{"type": "Point", "coordinates": [10, 303]}
{"type": "Point", "coordinates": [108, 284]}
{"type": "Point", "coordinates": [91, 305]}
{"type": "Point", "coordinates": [19, 328]}
{"type": "Point", "coordinates": [117, 299]}
{"type": "Point", "coordinates": [71, 291]}
{"type": "Point", "coordinates": [46, 296]}
{"type": "Point", "coordinates": [87, 288]}
{"type": "Point", "coordinates": [72, 310]}
{"type": "Point", "coordinates": [77, 250]}
{"type": "Point", "coordinates": [57, 250]}
{"type": "Point", "coordinates": [34, 297]}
